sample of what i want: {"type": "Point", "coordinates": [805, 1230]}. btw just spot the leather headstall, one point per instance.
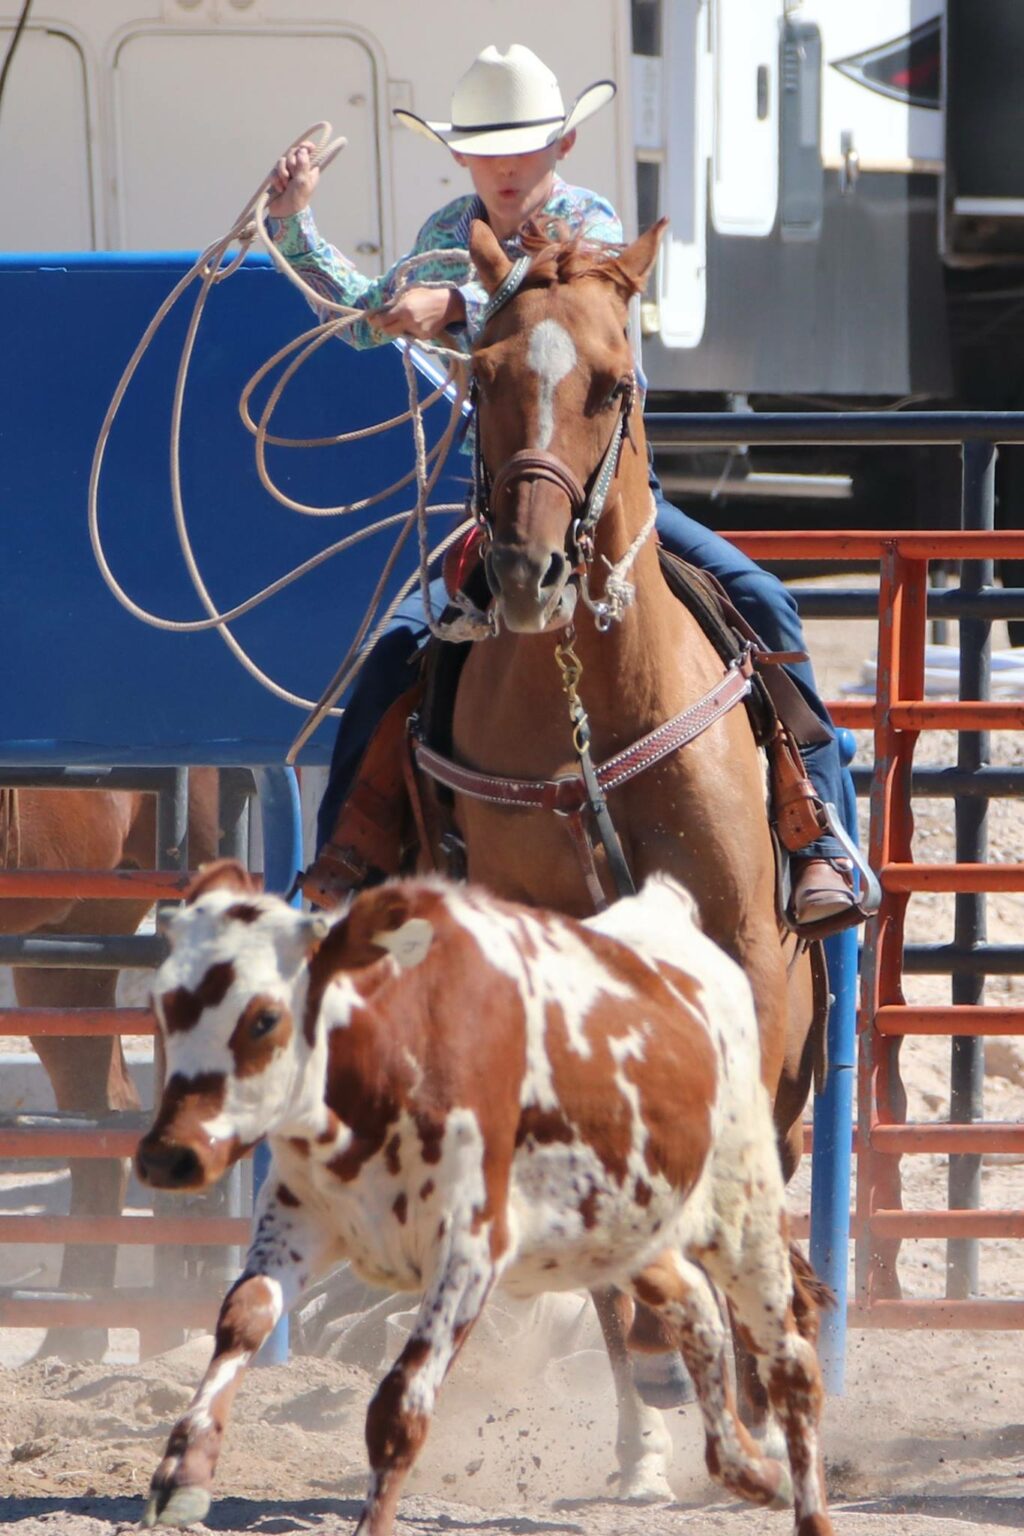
{"type": "Point", "coordinates": [586, 505]}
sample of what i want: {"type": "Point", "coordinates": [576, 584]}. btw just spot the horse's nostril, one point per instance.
{"type": "Point", "coordinates": [555, 573]}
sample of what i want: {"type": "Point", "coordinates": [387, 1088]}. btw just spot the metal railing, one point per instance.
{"type": "Point", "coordinates": [898, 714]}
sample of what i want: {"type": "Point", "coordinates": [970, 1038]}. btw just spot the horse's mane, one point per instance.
{"type": "Point", "coordinates": [559, 256]}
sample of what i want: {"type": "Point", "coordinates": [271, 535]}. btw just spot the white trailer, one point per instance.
{"type": "Point", "coordinates": [845, 183]}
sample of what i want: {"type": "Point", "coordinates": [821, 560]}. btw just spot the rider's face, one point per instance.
{"type": "Point", "coordinates": [512, 187]}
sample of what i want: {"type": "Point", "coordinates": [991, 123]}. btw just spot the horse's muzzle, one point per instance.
{"type": "Point", "coordinates": [530, 586]}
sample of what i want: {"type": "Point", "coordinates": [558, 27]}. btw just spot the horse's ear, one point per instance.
{"type": "Point", "coordinates": [222, 875]}
{"type": "Point", "coordinates": [638, 259]}
{"type": "Point", "coordinates": [491, 263]}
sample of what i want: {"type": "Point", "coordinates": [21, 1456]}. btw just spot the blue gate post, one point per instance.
{"type": "Point", "coordinates": [281, 819]}
{"type": "Point", "coordinates": [833, 1124]}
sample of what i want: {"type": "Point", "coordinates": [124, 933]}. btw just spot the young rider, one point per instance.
{"type": "Point", "coordinates": [509, 129]}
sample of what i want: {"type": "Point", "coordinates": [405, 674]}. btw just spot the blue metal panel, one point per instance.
{"type": "Point", "coordinates": [83, 682]}
{"type": "Point", "coordinates": [833, 1124]}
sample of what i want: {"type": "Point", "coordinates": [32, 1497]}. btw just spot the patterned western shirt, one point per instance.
{"type": "Point", "coordinates": [446, 232]}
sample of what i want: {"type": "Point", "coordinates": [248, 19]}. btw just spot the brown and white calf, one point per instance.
{"type": "Point", "coordinates": [457, 1092]}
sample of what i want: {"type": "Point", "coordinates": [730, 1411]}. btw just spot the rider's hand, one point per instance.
{"type": "Point", "coordinates": [421, 313]}
{"type": "Point", "coordinates": [295, 179]}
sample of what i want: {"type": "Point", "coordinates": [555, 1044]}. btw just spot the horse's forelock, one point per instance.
{"type": "Point", "coordinates": [569, 257]}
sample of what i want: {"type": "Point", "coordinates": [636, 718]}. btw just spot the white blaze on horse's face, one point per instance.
{"type": "Point", "coordinates": [551, 354]}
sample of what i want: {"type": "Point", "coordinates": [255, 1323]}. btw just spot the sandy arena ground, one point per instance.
{"type": "Point", "coordinates": [928, 1439]}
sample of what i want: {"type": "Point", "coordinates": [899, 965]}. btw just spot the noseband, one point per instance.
{"type": "Point", "coordinates": [537, 464]}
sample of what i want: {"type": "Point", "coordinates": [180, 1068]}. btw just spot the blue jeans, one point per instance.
{"type": "Point", "coordinates": [767, 606]}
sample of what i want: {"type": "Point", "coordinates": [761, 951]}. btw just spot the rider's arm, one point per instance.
{"type": "Point", "coordinates": [331, 275]}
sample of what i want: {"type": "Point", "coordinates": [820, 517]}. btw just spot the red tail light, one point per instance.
{"type": "Point", "coordinates": [908, 69]}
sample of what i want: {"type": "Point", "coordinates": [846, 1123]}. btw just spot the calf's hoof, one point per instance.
{"type": "Point", "coordinates": [176, 1506]}
{"type": "Point", "coordinates": [662, 1381]}
{"type": "Point", "coordinates": [784, 1492]}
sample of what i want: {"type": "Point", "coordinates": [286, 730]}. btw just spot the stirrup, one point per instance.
{"type": "Point", "coordinates": [334, 875]}
{"type": "Point", "coordinates": [865, 891]}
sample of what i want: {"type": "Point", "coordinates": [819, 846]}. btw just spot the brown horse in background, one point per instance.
{"type": "Point", "coordinates": [554, 375]}
{"type": "Point", "coordinates": [95, 830]}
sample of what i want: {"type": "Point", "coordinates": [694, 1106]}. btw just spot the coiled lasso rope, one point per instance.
{"type": "Point", "coordinates": [214, 266]}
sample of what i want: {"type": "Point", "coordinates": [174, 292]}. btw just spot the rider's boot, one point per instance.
{"type": "Point", "coordinates": [374, 830]}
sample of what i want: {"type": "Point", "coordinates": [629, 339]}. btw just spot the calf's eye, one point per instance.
{"type": "Point", "coordinates": [264, 1022]}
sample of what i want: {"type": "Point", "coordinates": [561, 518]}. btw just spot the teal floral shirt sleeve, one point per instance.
{"type": "Point", "coordinates": [443, 242]}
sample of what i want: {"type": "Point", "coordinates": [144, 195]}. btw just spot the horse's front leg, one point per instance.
{"type": "Point", "coordinates": [399, 1415]}
{"type": "Point", "coordinates": [88, 1075]}
{"type": "Point", "coordinates": [643, 1445]}
{"type": "Point", "coordinates": [286, 1252]}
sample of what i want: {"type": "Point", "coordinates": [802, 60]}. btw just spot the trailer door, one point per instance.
{"type": "Point", "coordinates": [45, 143]}
{"type": "Point", "coordinates": [201, 117]}
{"type": "Point", "coordinates": [745, 156]}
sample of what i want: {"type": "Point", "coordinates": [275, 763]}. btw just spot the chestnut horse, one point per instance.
{"type": "Point", "coordinates": [96, 830]}
{"type": "Point", "coordinates": [555, 385]}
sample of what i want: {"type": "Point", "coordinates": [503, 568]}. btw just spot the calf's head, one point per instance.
{"type": "Point", "coordinates": [229, 1005]}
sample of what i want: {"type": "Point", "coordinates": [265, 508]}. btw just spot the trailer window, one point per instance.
{"type": "Point", "coordinates": [647, 27]}
{"type": "Point", "coordinates": [648, 193]}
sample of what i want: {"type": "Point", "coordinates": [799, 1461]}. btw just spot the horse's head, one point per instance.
{"type": "Point", "coordinates": [555, 385]}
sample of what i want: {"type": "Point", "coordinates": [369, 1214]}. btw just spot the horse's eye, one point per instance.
{"type": "Point", "coordinates": [264, 1022]}
{"type": "Point", "coordinates": [615, 394]}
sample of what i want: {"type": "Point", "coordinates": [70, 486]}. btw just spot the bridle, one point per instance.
{"type": "Point", "coordinates": [586, 503]}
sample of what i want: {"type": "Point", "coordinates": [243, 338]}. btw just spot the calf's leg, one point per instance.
{"type": "Point", "coordinates": [399, 1415]}
{"type": "Point", "coordinates": [285, 1253]}
{"type": "Point", "coordinates": [774, 1297]}
{"type": "Point", "coordinates": [778, 1318]}
{"type": "Point", "coordinates": [682, 1294]}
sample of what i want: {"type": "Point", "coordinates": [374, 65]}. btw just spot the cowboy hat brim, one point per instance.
{"type": "Point", "coordinates": [511, 138]}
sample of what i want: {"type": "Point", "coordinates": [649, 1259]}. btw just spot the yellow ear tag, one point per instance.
{"type": "Point", "coordinates": [408, 944]}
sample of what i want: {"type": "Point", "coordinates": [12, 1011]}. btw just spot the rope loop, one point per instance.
{"type": "Point", "coordinates": [219, 261]}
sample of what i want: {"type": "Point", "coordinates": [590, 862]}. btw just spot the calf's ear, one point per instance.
{"type": "Point", "coordinates": [409, 943]}
{"type": "Point", "coordinates": [314, 929]}
{"type": "Point", "coordinates": [222, 875]}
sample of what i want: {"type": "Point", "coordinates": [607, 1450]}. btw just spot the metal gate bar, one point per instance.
{"type": "Point", "coordinates": [161, 1315]}
{"type": "Point", "coordinates": [898, 714]}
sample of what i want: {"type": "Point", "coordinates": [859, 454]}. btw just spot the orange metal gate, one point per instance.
{"type": "Point", "coordinates": [160, 1312]}
{"type": "Point", "coordinates": [897, 716]}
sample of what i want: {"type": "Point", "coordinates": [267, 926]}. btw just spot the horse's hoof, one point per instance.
{"type": "Point", "coordinates": [176, 1506]}
{"type": "Point", "coordinates": [73, 1344]}
{"type": "Point", "coordinates": [662, 1381]}
{"type": "Point", "coordinates": [645, 1486]}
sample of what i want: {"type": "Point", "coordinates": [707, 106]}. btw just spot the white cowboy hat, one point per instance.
{"type": "Point", "coordinates": [509, 103]}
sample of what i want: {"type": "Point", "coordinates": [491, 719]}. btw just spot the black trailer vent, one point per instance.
{"type": "Point", "coordinates": [907, 69]}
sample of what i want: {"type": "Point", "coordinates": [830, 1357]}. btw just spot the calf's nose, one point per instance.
{"type": "Point", "coordinates": [165, 1165]}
